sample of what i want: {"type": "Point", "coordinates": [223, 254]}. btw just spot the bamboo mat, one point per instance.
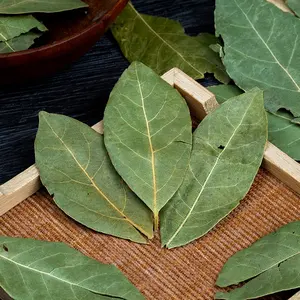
{"type": "Point", "coordinates": [185, 273]}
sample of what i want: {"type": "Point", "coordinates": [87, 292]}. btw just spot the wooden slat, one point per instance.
{"type": "Point", "coordinates": [24, 185]}
{"type": "Point", "coordinates": [296, 297]}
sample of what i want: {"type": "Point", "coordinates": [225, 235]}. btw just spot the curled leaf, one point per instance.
{"type": "Point", "coordinates": [162, 44]}
{"type": "Point", "coordinates": [228, 148]}
{"type": "Point", "coordinates": [75, 167]}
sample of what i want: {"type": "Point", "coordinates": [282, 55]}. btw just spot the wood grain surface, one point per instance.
{"type": "Point", "coordinates": [82, 90]}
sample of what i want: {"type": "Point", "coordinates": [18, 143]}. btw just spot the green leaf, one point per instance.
{"type": "Point", "coordinates": [224, 92]}
{"type": "Point", "coordinates": [148, 135]}
{"type": "Point", "coordinates": [75, 167]}
{"type": "Point", "coordinates": [22, 42]}
{"type": "Point", "coordinates": [29, 6]}
{"type": "Point", "coordinates": [162, 44]}
{"type": "Point", "coordinates": [228, 147]}
{"type": "Point", "coordinates": [294, 5]}
{"type": "Point", "coordinates": [32, 270]}
{"type": "Point", "coordinates": [11, 27]}
{"type": "Point", "coordinates": [274, 259]}
{"type": "Point", "coordinates": [284, 131]}
{"type": "Point", "coordinates": [265, 54]}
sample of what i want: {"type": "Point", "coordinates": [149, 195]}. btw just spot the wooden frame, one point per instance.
{"type": "Point", "coordinates": [201, 102]}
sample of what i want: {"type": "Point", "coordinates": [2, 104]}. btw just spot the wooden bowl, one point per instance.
{"type": "Point", "coordinates": [71, 34]}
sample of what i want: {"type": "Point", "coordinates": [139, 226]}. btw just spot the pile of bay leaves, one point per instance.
{"type": "Point", "coordinates": [149, 172]}
{"type": "Point", "coordinates": [19, 28]}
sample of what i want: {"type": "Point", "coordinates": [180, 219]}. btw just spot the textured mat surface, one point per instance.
{"type": "Point", "coordinates": [185, 273]}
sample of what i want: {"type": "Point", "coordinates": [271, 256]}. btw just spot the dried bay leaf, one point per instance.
{"type": "Point", "coordinates": [162, 44]}
{"type": "Point", "coordinates": [32, 270]}
{"type": "Point", "coordinates": [22, 42]}
{"type": "Point", "coordinates": [224, 92]}
{"type": "Point", "coordinates": [75, 167]}
{"type": "Point", "coordinates": [228, 148]}
{"type": "Point", "coordinates": [29, 6]}
{"type": "Point", "coordinates": [266, 52]}
{"type": "Point", "coordinates": [148, 135]}
{"type": "Point", "coordinates": [13, 26]}
{"type": "Point", "coordinates": [274, 260]}
{"type": "Point", "coordinates": [294, 5]}
{"type": "Point", "coordinates": [284, 131]}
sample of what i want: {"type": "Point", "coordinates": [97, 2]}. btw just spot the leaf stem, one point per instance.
{"type": "Point", "coordinates": [156, 221]}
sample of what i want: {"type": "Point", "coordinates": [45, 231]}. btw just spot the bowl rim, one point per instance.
{"type": "Point", "coordinates": [66, 39]}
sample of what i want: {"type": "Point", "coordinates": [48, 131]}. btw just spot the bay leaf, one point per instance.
{"type": "Point", "coordinates": [22, 42]}
{"type": "Point", "coordinates": [284, 130]}
{"type": "Point", "coordinates": [265, 54]}
{"type": "Point", "coordinates": [29, 6]}
{"type": "Point", "coordinates": [285, 133]}
{"type": "Point", "coordinates": [294, 5]}
{"type": "Point", "coordinates": [11, 27]}
{"type": "Point", "coordinates": [224, 92]}
{"type": "Point", "coordinates": [32, 270]}
{"type": "Point", "coordinates": [228, 147]}
{"type": "Point", "coordinates": [75, 167]}
{"type": "Point", "coordinates": [162, 44]}
{"type": "Point", "coordinates": [148, 135]}
{"type": "Point", "coordinates": [274, 260]}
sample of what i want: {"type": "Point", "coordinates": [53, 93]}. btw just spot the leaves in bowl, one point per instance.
{"type": "Point", "coordinates": [273, 262]}
{"type": "Point", "coordinates": [148, 135]}
{"type": "Point", "coordinates": [75, 167]}
{"type": "Point", "coordinates": [11, 27]}
{"type": "Point", "coordinates": [228, 148]}
{"type": "Point", "coordinates": [22, 42]}
{"type": "Point", "coordinates": [29, 6]}
{"type": "Point", "coordinates": [261, 49]}
{"type": "Point", "coordinates": [33, 269]}
{"type": "Point", "coordinates": [162, 44]}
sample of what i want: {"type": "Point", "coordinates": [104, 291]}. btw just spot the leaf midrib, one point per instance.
{"type": "Point", "coordinates": [96, 187]}
{"type": "Point", "coordinates": [208, 177]}
{"type": "Point", "coordinates": [23, 2]}
{"type": "Point", "coordinates": [266, 269]}
{"type": "Point", "coordinates": [150, 146]}
{"type": "Point", "coordinates": [164, 41]}
{"type": "Point", "coordinates": [268, 48]}
{"type": "Point", "coordinates": [6, 42]}
{"type": "Point", "coordinates": [51, 275]}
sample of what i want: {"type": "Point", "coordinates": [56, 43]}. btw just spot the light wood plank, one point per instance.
{"type": "Point", "coordinates": [296, 297]}
{"type": "Point", "coordinates": [25, 184]}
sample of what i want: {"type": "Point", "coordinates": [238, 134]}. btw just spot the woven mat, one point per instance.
{"type": "Point", "coordinates": [185, 273]}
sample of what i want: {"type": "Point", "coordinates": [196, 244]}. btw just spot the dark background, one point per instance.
{"type": "Point", "coordinates": [82, 90]}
